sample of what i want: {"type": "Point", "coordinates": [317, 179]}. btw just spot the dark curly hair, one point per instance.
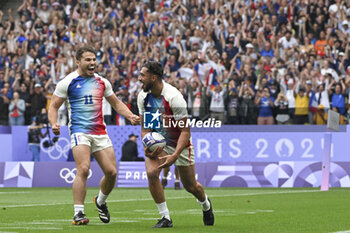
{"type": "Point", "coordinates": [154, 68]}
{"type": "Point", "coordinates": [84, 49]}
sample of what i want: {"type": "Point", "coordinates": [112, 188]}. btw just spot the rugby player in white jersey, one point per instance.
{"type": "Point", "coordinates": [160, 97]}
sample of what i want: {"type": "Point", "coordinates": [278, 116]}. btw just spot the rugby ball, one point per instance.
{"type": "Point", "coordinates": [152, 140]}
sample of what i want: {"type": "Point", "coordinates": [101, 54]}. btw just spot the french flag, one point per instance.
{"type": "Point", "coordinates": [200, 71]}
{"type": "Point", "coordinates": [211, 78]}
{"type": "Point", "coordinates": [165, 4]}
{"type": "Point", "coordinates": [120, 120]}
{"type": "Point", "coordinates": [313, 105]}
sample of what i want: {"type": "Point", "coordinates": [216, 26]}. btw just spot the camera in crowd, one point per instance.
{"type": "Point", "coordinates": [42, 119]}
{"type": "Point", "coordinates": [48, 142]}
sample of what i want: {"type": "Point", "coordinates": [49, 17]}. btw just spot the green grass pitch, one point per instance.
{"type": "Point", "coordinates": [37, 210]}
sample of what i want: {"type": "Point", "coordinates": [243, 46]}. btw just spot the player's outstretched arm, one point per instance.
{"type": "Point", "coordinates": [122, 109]}
{"type": "Point", "coordinates": [55, 104]}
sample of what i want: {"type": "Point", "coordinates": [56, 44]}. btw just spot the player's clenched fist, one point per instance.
{"type": "Point", "coordinates": [56, 129]}
{"type": "Point", "coordinates": [135, 119]}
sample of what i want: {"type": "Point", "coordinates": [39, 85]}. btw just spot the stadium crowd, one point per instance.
{"type": "Point", "coordinates": [242, 62]}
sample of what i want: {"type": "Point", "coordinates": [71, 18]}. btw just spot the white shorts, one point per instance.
{"type": "Point", "coordinates": [95, 142]}
{"type": "Point", "coordinates": [186, 157]}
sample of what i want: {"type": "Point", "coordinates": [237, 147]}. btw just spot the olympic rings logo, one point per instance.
{"type": "Point", "coordinates": [59, 149]}
{"type": "Point", "coordinates": [69, 175]}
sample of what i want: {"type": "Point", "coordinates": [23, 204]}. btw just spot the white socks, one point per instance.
{"type": "Point", "coordinates": [163, 210]}
{"type": "Point", "coordinates": [205, 204]}
{"type": "Point", "coordinates": [101, 198]}
{"type": "Point", "coordinates": [78, 208]}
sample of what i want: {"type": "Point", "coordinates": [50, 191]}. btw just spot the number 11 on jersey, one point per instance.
{"type": "Point", "coordinates": [88, 99]}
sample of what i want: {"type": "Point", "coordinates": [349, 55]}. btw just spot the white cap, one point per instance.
{"type": "Point", "coordinates": [341, 54]}
{"type": "Point", "coordinates": [37, 85]}
{"type": "Point", "coordinates": [290, 81]}
{"type": "Point", "coordinates": [345, 22]}
{"type": "Point", "coordinates": [232, 35]}
{"type": "Point", "coordinates": [249, 45]}
{"type": "Point", "coordinates": [308, 82]}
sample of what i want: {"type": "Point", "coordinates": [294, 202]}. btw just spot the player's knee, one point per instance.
{"type": "Point", "coordinates": [83, 170]}
{"type": "Point", "coordinates": [111, 173]}
{"type": "Point", "coordinates": [153, 175]}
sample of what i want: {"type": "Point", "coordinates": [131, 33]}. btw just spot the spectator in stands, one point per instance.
{"type": "Point", "coordinates": [338, 96]}
{"type": "Point", "coordinates": [312, 100]}
{"type": "Point", "coordinates": [328, 72]}
{"type": "Point", "coordinates": [24, 95]}
{"type": "Point", "coordinates": [38, 100]}
{"type": "Point", "coordinates": [129, 150]}
{"type": "Point", "coordinates": [4, 107]}
{"type": "Point", "coordinates": [289, 91]}
{"type": "Point", "coordinates": [34, 135]}
{"type": "Point", "coordinates": [250, 54]}
{"type": "Point", "coordinates": [217, 104]}
{"type": "Point", "coordinates": [307, 47]}
{"type": "Point", "coordinates": [322, 96]}
{"type": "Point", "coordinates": [230, 49]}
{"type": "Point", "coordinates": [197, 103]}
{"type": "Point", "coordinates": [267, 51]}
{"type": "Point", "coordinates": [232, 103]}
{"type": "Point", "coordinates": [281, 103]}
{"type": "Point", "coordinates": [301, 107]}
{"type": "Point", "coordinates": [266, 104]}
{"type": "Point", "coordinates": [321, 43]}
{"type": "Point", "coordinates": [246, 108]}
{"type": "Point", "coordinates": [321, 117]}
{"type": "Point", "coordinates": [288, 41]}
{"type": "Point", "coordinates": [16, 110]}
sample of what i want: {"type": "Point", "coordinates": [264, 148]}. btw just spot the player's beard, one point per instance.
{"type": "Point", "coordinates": [147, 87]}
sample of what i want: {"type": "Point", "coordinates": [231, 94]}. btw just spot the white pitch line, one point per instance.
{"type": "Point", "coordinates": [37, 204]}
{"type": "Point", "coordinates": [19, 192]}
{"type": "Point", "coordinates": [221, 212]}
{"type": "Point", "coordinates": [40, 223]}
{"type": "Point", "coordinates": [33, 228]}
{"type": "Point", "coordinates": [47, 221]}
{"type": "Point", "coordinates": [57, 220]}
{"type": "Point", "coordinates": [125, 220]}
{"type": "Point", "coordinates": [135, 219]}
{"type": "Point", "coordinates": [34, 224]}
{"type": "Point", "coordinates": [168, 198]}
{"type": "Point", "coordinates": [51, 221]}
{"type": "Point", "coordinates": [347, 231]}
